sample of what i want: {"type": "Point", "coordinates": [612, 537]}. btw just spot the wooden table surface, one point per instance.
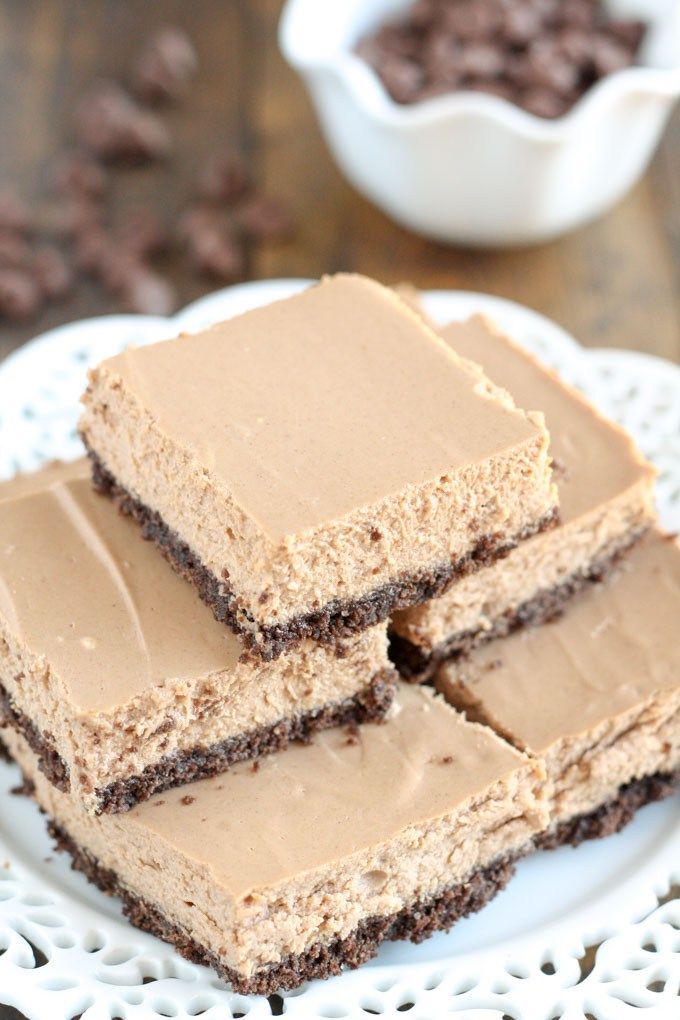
{"type": "Point", "coordinates": [614, 283]}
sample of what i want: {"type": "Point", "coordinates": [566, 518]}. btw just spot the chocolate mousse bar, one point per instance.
{"type": "Point", "coordinates": [306, 865]}
{"type": "Point", "coordinates": [606, 504]}
{"type": "Point", "coordinates": [595, 695]}
{"type": "Point", "coordinates": [120, 678]}
{"type": "Point", "coordinates": [315, 464]}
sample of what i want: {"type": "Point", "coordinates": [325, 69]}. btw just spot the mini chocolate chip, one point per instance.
{"type": "Point", "coordinates": [164, 67]}
{"type": "Point", "coordinates": [79, 175]}
{"type": "Point", "coordinates": [14, 214]}
{"type": "Point", "coordinates": [224, 176]}
{"type": "Point", "coordinates": [141, 233]}
{"type": "Point", "coordinates": [112, 126]}
{"type": "Point", "coordinates": [187, 799]}
{"type": "Point", "coordinates": [215, 251]}
{"type": "Point", "coordinates": [147, 293]}
{"type": "Point", "coordinates": [482, 60]}
{"type": "Point", "coordinates": [19, 295]}
{"type": "Point", "coordinates": [376, 535]}
{"type": "Point", "coordinates": [15, 251]}
{"type": "Point", "coordinates": [264, 218]}
{"type": "Point", "coordinates": [52, 272]}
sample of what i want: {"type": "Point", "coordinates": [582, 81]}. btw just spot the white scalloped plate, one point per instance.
{"type": "Point", "coordinates": [593, 931]}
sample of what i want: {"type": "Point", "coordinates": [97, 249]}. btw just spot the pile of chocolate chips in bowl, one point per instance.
{"type": "Point", "coordinates": [542, 55]}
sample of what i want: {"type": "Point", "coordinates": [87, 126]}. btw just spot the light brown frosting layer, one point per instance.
{"type": "Point", "coordinates": [315, 805]}
{"type": "Point", "coordinates": [596, 460]}
{"type": "Point", "coordinates": [317, 405]}
{"type": "Point", "coordinates": [614, 649]}
{"type": "Point", "coordinates": [79, 588]}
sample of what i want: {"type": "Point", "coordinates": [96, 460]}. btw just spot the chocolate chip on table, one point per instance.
{"type": "Point", "coordinates": [52, 272]}
{"type": "Point", "coordinates": [212, 247]}
{"type": "Point", "coordinates": [164, 67]}
{"type": "Point", "coordinates": [15, 251]}
{"type": "Point", "coordinates": [113, 127]}
{"type": "Point", "coordinates": [141, 233]}
{"type": "Point", "coordinates": [148, 293]}
{"type": "Point", "coordinates": [19, 295]}
{"type": "Point", "coordinates": [78, 175]}
{"type": "Point", "coordinates": [14, 214]}
{"type": "Point", "coordinates": [264, 217]}
{"type": "Point", "coordinates": [224, 176]}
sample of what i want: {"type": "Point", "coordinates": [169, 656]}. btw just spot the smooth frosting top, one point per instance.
{"type": "Point", "coordinates": [35, 481]}
{"type": "Point", "coordinates": [600, 460]}
{"type": "Point", "coordinates": [312, 805]}
{"type": "Point", "coordinates": [615, 647]}
{"type": "Point", "coordinates": [108, 614]}
{"type": "Point", "coordinates": [319, 404]}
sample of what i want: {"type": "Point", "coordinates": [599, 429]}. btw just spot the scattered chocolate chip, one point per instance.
{"type": "Point", "coordinates": [446, 760]}
{"type": "Point", "coordinates": [14, 215]}
{"type": "Point", "coordinates": [113, 127]}
{"type": "Point", "coordinates": [264, 218]}
{"type": "Point", "coordinates": [187, 799]}
{"type": "Point", "coordinates": [213, 249]}
{"type": "Point", "coordinates": [141, 233]}
{"type": "Point", "coordinates": [78, 175]}
{"type": "Point", "coordinates": [165, 66]}
{"type": "Point", "coordinates": [75, 216]}
{"type": "Point", "coordinates": [15, 251]}
{"type": "Point", "coordinates": [224, 177]}
{"type": "Point", "coordinates": [147, 293]}
{"type": "Point", "coordinates": [52, 272]}
{"type": "Point", "coordinates": [255, 767]}
{"type": "Point", "coordinates": [19, 295]}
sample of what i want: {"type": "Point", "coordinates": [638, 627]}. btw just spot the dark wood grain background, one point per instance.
{"type": "Point", "coordinates": [614, 283]}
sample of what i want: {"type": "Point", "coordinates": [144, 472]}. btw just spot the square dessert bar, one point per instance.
{"type": "Point", "coordinates": [121, 680]}
{"type": "Point", "coordinates": [606, 504]}
{"type": "Point", "coordinates": [312, 465]}
{"type": "Point", "coordinates": [305, 866]}
{"type": "Point", "coordinates": [596, 695]}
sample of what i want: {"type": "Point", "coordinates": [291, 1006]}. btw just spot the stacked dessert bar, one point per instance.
{"type": "Point", "coordinates": [210, 718]}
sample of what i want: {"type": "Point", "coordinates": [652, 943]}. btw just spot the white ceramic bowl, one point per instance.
{"type": "Point", "coordinates": [473, 169]}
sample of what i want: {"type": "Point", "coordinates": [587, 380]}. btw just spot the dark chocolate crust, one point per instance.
{"type": "Point", "coordinates": [369, 705]}
{"type": "Point", "coordinates": [418, 665]}
{"type": "Point", "coordinates": [189, 766]}
{"type": "Point", "coordinates": [415, 922]}
{"type": "Point", "coordinates": [50, 762]}
{"type": "Point", "coordinates": [338, 618]}
{"type": "Point", "coordinates": [613, 815]}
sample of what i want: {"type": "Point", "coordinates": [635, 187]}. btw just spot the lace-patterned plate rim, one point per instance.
{"type": "Point", "coordinates": [530, 954]}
